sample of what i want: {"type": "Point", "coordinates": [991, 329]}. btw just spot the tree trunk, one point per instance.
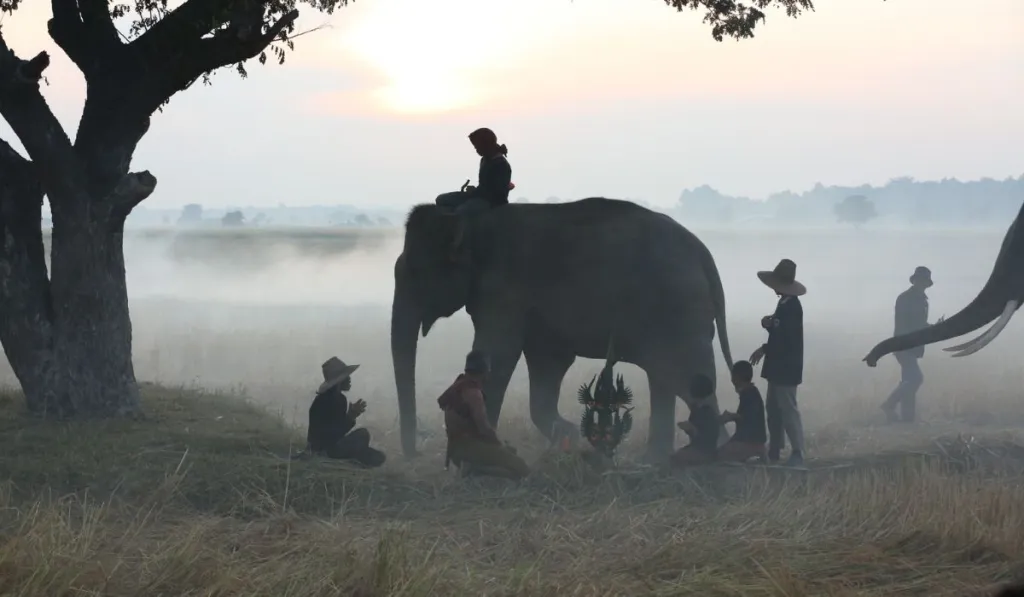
{"type": "Point", "coordinates": [26, 329]}
{"type": "Point", "coordinates": [92, 330]}
{"type": "Point", "coordinates": [66, 336]}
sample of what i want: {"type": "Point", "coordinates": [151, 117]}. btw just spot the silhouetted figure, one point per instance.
{"type": "Point", "coordinates": [911, 315]}
{"type": "Point", "coordinates": [331, 419]}
{"type": "Point", "coordinates": [495, 179]}
{"type": "Point", "coordinates": [750, 437]}
{"type": "Point", "coordinates": [702, 425]}
{"type": "Point", "coordinates": [783, 361]}
{"type": "Point", "coordinates": [473, 444]}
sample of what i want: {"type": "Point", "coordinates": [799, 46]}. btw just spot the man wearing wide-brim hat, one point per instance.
{"type": "Point", "coordinates": [332, 419]}
{"type": "Point", "coordinates": [911, 315]}
{"type": "Point", "coordinates": [783, 356]}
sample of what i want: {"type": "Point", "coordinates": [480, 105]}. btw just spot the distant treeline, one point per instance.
{"type": "Point", "coordinates": [902, 202]}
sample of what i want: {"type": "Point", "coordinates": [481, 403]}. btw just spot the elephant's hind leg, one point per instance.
{"type": "Point", "coordinates": [547, 361]}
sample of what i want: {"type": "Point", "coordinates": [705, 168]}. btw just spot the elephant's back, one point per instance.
{"type": "Point", "coordinates": [633, 248]}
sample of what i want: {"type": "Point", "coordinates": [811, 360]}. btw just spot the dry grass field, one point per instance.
{"type": "Point", "coordinates": [199, 499]}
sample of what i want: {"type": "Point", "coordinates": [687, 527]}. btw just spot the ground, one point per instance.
{"type": "Point", "coordinates": [199, 499]}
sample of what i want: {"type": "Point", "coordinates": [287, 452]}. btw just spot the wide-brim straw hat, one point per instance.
{"type": "Point", "coordinates": [922, 273]}
{"type": "Point", "coordinates": [782, 279]}
{"type": "Point", "coordinates": [335, 371]}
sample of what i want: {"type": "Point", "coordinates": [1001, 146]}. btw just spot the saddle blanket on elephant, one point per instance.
{"type": "Point", "coordinates": [486, 458]}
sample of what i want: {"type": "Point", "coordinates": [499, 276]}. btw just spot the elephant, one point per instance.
{"type": "Point", "coordinates": [552, 282]}
{"type": "Point", "coordinates": [998, 300]}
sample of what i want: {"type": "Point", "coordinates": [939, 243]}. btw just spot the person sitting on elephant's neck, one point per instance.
{"type": "Point", "coordinates": [473, 444]}
{"type": "Point", "coordinates": [332, 418]}
{"type": "Point", "coordinates": [495, 179]}
{"type": "Point", "coordinates": [702, 425]}
{"type": "Point", "coordinates": [750, 437]}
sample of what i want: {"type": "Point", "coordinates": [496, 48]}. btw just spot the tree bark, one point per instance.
{"type": "Point", "coordinates": [26, 329]}
{"type": "Point", "coordinates": [91, 322]}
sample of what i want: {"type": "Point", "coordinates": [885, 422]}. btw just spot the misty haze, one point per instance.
{"type": "Point", "coordinates": [227, 225]}
{"type": "Point", "coordinates": [262, 310]}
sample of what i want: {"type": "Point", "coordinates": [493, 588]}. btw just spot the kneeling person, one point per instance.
{"type": "Point", "coordinates": [751, 435]}
{"type": "Point", "coordinates": [332, 418]}
{"type": "Point", "coordinates": [702, 425]}
{"type": "Point", "coordinates": [472, 443]}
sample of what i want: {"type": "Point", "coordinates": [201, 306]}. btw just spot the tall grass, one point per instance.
{"type": "Point", "coordinates": [199, 499]}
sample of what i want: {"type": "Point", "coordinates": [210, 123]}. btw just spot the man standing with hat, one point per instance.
{"type": "Point", "coordinates": [783, 356]}
{"type": "Point", "coordinates": [911, 315]}
{"type": "Point", "coordinates": [332, 418]}
{"type": "Point", "coordinates": [472, 443]}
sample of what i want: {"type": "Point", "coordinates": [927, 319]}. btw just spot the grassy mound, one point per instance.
{"type": "Point", "coordinates": [199, 499]}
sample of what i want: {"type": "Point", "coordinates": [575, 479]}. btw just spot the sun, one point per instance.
{"type": "Point", "coordinates": [433, 56]}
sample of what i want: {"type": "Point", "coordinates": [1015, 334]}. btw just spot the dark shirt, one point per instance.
{"type": "Point", "coordinates": [784, 351]}
{"type": "Point", "coordinates": [328, 420]}
{"type": "Point", "coordinates": [911, 315]}
{"type": "Point", "coordinates": [705, 429]}
{"type": "Point", "coordinates": [750, 426]}
{"type": "Point", "coordinates": [495, 177]}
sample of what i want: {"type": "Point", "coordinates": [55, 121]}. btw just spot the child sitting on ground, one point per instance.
{"type": "Point", "coordinates": [702, 425]}
{"type": "Point", "coordinates": [750, 436]}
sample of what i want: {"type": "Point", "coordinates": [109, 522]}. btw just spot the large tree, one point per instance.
{"type": "Point", "coordinates": [67, 332]}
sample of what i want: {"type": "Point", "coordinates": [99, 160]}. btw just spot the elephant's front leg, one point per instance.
{"type": "Point", "coordinates": [661, 434]}
{"type": "Point", "coordinates": [499, 334]}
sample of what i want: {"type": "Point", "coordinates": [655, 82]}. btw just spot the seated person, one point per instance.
{"type": "Point", "coordinates": [702, 425]}
{"type": "Point", "coordinates": [495, 178]}
{"type": "Point", "coordinates": [331, 419]}
{"type": "Point", "coordinates": [472, 443]}
{"type": "Point", "coordinates": [751, 435]}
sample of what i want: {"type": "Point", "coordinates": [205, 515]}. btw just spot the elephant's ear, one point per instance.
{"type": "Point", "coordinates": [435, 235]}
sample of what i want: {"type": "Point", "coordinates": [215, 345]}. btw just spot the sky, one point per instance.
{"type": "Point", "coordinates": [617, 98]}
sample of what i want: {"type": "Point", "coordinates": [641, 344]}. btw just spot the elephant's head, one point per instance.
{"type": "Point", "coordinates": [432, 280]}
{"type": "Point", "coordinates": [998, 300]}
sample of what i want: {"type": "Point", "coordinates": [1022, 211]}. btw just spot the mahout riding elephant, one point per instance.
{"type": "Point", "coordinates": [556, 281]}
{"type": "Point", "coordinates": [998, 300]}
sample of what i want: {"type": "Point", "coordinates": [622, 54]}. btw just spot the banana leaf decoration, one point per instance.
{"type": "Point", "coordinates": [606, 408]}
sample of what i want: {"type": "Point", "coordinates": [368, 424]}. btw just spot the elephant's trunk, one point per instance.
{"type": "Point", "coordinates": [405, 324]}
{"type": "Point", "coordinates": [979, 312]}
{"type": "Point", "coordinates": [999, 298]}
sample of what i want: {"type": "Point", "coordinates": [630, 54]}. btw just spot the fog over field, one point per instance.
{"type": "Point", "coordinates": [260, 310]}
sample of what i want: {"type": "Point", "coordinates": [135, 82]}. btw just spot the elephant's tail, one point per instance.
{"type": "Point", "coordinates": [718, 298]}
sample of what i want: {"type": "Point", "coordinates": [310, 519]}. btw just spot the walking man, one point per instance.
{"type": "Point", "coordinates": [911, 315]}
{"type": "Point", "coordinates": [783, 356]}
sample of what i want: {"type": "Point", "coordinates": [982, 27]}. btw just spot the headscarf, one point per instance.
{"type": "Point", "coordinates": [488, 141]}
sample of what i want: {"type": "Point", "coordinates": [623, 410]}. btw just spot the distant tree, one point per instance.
{"type": "Point", "coordinates": [552, 200]}
{"type": "Point", "coordinates": [521, 200]}
{"type": "Point", "coordinates": [67, 332]}
{"type": "Point", "coordinates": [383, 222]}
{"type": "Point", "coordinates": [191, 215]}
{"type": "Point", "coordinates": [259, 219]}
{"type": "Point", "coordinates": [362, 220]}
{"type": "Point", "coordinates": [233, 219]}
{"type": "Point", "coordinates": [856, 210]}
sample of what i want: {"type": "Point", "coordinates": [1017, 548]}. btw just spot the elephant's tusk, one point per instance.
{"type": "Point", "coordinates": [990, 334]}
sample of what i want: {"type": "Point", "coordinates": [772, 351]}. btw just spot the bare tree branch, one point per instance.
{"type": "Point", "coordinates": [85, 30]}
{"type": "Point", "coordinates": [23, 107]}
{"type": "Point", "coordinates": [227, 46]}
{"type": "Point", "coordinates": [133, 189]}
